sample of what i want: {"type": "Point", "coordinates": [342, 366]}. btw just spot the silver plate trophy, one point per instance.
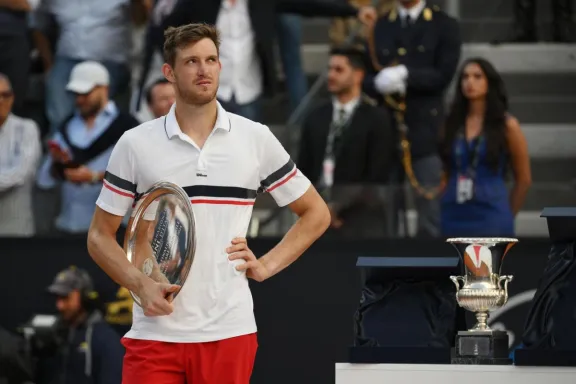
{"type": "Point", "coordinates": [481, 290]}
{"type": "Point", "coordinates": [161, 237]}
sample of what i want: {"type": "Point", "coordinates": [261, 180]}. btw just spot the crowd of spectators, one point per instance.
{"type": "Point", "coordinates": [75, 75]}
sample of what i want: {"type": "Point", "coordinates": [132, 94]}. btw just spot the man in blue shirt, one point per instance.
{"type": "Point", "coordinates": [80, 149]}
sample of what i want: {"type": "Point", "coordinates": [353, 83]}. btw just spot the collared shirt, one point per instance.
{"type": "Point", "coordinates": [241, 74]}
{"type": "Point", "coordinates": [348, 108]}
{"type": "Point", "coordinates": [20, 152]}
{"type": "Point", "coordinates": [222, 183]}
{"type": "Point", "coordinates": [414, 12]}
{"type": "Point", "coordinates": [78, 200]}
{"type": "Point", "coordinates": [89, 29]}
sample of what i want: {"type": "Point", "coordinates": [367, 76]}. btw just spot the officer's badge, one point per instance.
{"type": "Point", "coordinates": [427, 13]}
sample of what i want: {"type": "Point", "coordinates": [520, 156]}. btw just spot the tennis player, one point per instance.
{"type": "Point", "coordinates": [207, 334]}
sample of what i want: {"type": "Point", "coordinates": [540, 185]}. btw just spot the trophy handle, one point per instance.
{"type": "Point", "coordinates": [456, 280]}
{"type": "Point", "coordinates": [505, 280]}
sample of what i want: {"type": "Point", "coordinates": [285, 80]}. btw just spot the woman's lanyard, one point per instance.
{"type": "Point", "coordinates": [466, 177]}
{"type": "Point", "coordinates": [337, 128]}
{"type": "Point", "coordinates": [473, 152]}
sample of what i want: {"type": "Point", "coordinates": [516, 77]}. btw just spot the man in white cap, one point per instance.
{"type": "Point", "coordinates": [81, 147]}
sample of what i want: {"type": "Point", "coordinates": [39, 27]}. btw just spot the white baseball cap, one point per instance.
{"type": "Point", "coordinates": [87, 75]}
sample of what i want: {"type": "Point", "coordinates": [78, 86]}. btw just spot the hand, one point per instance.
{"type": "Point", "coordinates": [254, 268]}
{"type": "Point", "coordinates": [58, 155]}
{"type": "Point", "coordinates": [81, 174]}
{"type": "Point", "coordinates": [367, 15]}
{"type": "Point", "coordinates": [156, 298]}
{"type": "Point", "coordinates": [391, 80]}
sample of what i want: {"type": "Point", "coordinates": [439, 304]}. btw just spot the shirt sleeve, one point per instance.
{"type": "Point", "coordinates": [119, 184]}
{"type": "Point", "coordinates": [279, 175]}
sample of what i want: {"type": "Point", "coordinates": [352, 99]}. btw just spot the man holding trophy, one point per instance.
{"type": "Point", "coordinates": [212, 164]}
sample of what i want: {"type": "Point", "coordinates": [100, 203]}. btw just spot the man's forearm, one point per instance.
{"type": "Point", "coordinates": [309, 227]}
{"type": "Point", "coordinates": [108, 254]}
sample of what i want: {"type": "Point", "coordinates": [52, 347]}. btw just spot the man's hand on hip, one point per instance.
{"type": "Point", "coordinates": [254, 268]}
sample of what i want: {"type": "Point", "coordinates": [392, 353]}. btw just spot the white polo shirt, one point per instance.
{"type": "Point", "coordinates": [240, 159]}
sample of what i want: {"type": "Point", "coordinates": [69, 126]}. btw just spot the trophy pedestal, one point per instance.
{"type": "Point", "coordinates": [483, 348]}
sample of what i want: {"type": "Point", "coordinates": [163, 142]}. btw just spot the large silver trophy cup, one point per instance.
{"type": "Point", "coordinates": [161, 239]}
{"type": "Point", "coordinates": [481, 290]}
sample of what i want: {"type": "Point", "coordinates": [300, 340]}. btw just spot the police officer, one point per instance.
{"type": "Point", "coordinates": [414, 50]}
{"type": "Point", "coordinates": [90, 351]}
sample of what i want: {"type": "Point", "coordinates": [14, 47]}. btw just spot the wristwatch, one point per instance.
{"type": "Point", "coordinates": [95, 177]}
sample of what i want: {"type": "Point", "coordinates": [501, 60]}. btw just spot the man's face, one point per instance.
{"type": "Point", "coordinates": [162, 99]}
{"type": "Point", "coordinates": [340, 75]}
{"type": "Point", "coordinates": [91, 103]}
{"type": "Point", "coordinates": [6, 99]}
{"type": "Point", "coordinates": [196, 72]}
{"type": "Point", "coordinates": [69, 306]}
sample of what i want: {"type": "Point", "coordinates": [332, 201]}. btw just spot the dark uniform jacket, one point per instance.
{"type": "Point", "coordinates": [92, 354]}
{"type": "Point", "coordinates": [430, 49]}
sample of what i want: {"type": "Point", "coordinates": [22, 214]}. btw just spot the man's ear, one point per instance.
{"type": "Point", "coordinates": [168, 72]}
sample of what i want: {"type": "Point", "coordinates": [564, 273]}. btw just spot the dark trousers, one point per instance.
{"type": "Point", "coordinates": [15, 64]}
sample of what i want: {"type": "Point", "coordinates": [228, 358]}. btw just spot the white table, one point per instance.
{"type": "Point", "coordinates": [451, 374]}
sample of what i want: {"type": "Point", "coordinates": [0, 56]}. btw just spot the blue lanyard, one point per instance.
{"type": "Point", "coordinates": [473, 155]}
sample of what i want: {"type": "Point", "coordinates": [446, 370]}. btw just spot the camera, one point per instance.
{"type": "Point", "coordinates": [43, 334]}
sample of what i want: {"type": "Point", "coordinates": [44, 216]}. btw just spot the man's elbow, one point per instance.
{"type": "Point", "coordinates": [524, 182]}
{"type": "Point", "coordinates": [322, 217]}
{"type": "Point", "coordinates": [92, 240]}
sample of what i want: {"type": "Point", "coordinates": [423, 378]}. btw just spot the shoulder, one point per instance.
{"type": "Point", "coordinates": [142, 133]}
{"type": "Point", "coordinates": [513, 125]}
{"type": "Point", "coordinates": [319, 108]}
{"type": "Point", "coordinates": [444, 19]}
{"type": "Point", "coordinates": [128, 119]}
{"type": "Point", "coordinates": [249, 129]}
{"type": "Point", "coordinates": [28, 124]}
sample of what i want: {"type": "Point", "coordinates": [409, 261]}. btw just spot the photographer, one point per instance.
{"type": "Point", "coordinates": [89, 351]}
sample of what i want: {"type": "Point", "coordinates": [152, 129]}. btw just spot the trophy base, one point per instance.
{"type": "Point", "coordinates": [485, 348]}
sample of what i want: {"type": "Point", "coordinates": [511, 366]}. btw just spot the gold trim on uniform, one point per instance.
{"type": "Point", "coordinates": [402, 51]}
{"type": "Point", "coordinates": [393, 15]}
{"type": "Point", "coordinates": [427, 13]}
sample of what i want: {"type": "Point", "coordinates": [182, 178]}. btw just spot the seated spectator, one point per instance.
{"type": "Point", "coordinates": [20, 152]}
{"type": "Point", "coordinates": [480, 144]}
{"type": "Point", "coordinates": [347, 141]}
{"type": "Point", "coordinates": [160, 97]}
{"type": "Point", "coordinates": [80, 150]}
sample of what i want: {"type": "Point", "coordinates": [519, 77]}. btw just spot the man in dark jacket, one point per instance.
{"type": "Point", "coordinates": [247, 30]}
{"type": "Point", "coordinates": [90, 351]}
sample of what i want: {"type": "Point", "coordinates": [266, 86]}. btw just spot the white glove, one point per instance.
{"type": "Point", "coordinates": [391, 80]}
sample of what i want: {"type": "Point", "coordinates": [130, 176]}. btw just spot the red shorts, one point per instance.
{"type": "Point", "coordinates": [228, 361]}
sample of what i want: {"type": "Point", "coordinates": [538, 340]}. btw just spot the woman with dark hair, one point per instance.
{"type": "Point", "coordinates": [481, 143]}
